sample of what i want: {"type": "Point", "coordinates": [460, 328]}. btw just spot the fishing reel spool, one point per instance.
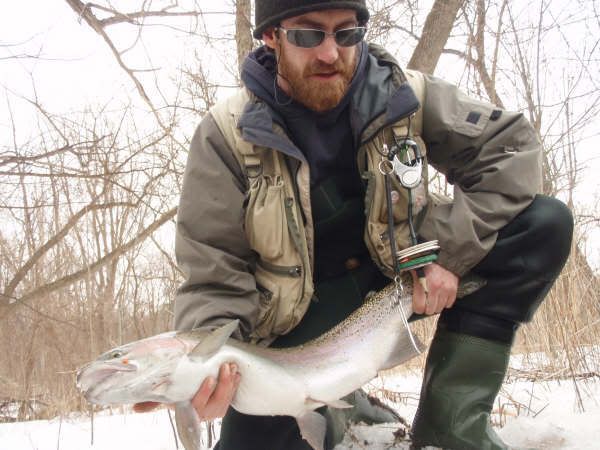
{"type": "Point", "coordinates": [407, 164]}
{"type": "Point", "coordinates": [417, 256]}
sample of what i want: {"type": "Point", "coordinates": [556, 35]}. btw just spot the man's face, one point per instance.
{"type": "Point", "coordinates": [317, 77]}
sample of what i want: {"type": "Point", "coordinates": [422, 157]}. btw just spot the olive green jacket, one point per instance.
{"type": "Point", "coordinates": [491, 157]}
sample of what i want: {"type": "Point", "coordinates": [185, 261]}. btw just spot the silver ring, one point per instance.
{"type": "Point", "coordinates": [386, 164]}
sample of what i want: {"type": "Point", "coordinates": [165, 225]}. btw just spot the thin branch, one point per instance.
{"type": "Point", "coordinates": [42, 250]}
{"type": "Point", "coordinates": [92, 268]}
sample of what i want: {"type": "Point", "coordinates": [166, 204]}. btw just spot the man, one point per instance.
{"type": "Point", "coordinates": [283, 220]}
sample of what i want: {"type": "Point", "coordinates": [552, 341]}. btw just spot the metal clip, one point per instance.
{"type": "Point", "coordinates": [409, 176]}
{"type": "Point", "coordinates": [397, 302]}
{"type": "Point", "coordinates": [409, 171]}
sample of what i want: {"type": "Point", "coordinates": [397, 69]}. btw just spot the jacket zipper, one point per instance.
{"type": "Point", "coordinates": [290, 271]}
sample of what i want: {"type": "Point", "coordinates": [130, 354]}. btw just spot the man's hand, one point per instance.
{"type": "Point", "coordinates": [212, 399]}
{"type": "Point", "coordinates": [442, 286]}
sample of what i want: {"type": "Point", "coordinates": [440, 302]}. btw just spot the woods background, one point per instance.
{"type": "Point", "coordinates": [88, 195]}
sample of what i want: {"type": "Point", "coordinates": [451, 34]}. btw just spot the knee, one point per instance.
{"type": "Point", "coordinates": [553, 216]}
{"type": "Point", "coordinates": [552, 227]}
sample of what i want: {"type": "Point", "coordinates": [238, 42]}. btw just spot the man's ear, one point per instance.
{"type": "Point", "coordinates": [270, 37]}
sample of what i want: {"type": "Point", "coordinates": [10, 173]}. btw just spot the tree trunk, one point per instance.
{"type": "Point", "coordinates": [243, 30]}
{"type": "Point", "coordinates": [435, 35]}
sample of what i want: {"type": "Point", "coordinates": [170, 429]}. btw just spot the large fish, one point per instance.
{"type": "Point", "coordinates": [295, 381]}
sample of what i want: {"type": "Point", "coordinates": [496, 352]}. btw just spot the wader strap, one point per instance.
{"type": "Point", "coordinates": [252, 161]}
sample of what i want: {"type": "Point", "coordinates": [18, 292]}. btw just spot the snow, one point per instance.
{"type": "Point", "coordinates": [542, 415]}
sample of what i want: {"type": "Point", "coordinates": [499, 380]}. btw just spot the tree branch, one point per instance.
{"type": "Point", "coordinates": [92, 268]}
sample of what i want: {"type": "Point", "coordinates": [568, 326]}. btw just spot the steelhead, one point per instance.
{"type": "Point", "coordinates": [170, 367]}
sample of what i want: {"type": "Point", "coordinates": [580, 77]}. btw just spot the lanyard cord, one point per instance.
{"type": "Point", "coordinates": [395, 260]}
{"type": "Point", "coordinates": [411, 225]}
{"type": "Point", "coordinates": [391, 235]}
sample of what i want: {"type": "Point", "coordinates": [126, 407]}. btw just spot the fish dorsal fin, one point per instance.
{"type": "Point", "coordinates": [214, 340]}
{"type": "Point", "coordinates": [312, 428]}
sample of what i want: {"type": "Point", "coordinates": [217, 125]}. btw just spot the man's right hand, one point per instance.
{"type": "Point", "coordinates": [442, 285]}
{"type": "Point", "coordinates": [213, 397]}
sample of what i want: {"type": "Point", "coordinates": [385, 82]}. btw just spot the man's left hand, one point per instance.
{"type": "Point", "coordinates": [442, 286]}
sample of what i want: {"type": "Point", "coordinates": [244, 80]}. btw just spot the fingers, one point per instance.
{"type": "Point", "coordinates": [203, 395]}
{"type": "Point", "coordinates": [419, 298]}
{"type": "Point", "coordinates": [439, 297]}
{"type": "Point", "coordinates": [226, 387]}
{"type": "Point", "coordinates": [450, 301]}
{"type": "Point", "coordinates": [431, 303]}
{"type": "Point", "coordinates": [437, 303]}
{"type": "Point", "coordinates": [442, 286]}
{"type": "Point", "coordinates": [214, 396]}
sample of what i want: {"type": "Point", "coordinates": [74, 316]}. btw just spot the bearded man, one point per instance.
{"type": "Point", "coordinates": [283, 224]}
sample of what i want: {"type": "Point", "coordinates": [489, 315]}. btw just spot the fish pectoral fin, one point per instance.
{"type": "Point", "coordinates": [214, 341]}
{"type": "Point", "coordinates": [339, 404]}
{"type": "Point", "coordinates": [312, 428]}
{"type": "Point", "coordinates": [188, 426]}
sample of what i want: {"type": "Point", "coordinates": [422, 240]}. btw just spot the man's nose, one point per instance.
{"type": "Point", "coordinates": [328, 51]}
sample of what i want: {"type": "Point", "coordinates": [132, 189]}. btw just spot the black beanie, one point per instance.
{"type": "Point", "coordinates": [271, 12]}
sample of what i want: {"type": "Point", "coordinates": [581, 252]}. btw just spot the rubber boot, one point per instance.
{"type": "Point", "coordinates": [463, 375]}
{"type": "Point", "coordinates": [368, 410]}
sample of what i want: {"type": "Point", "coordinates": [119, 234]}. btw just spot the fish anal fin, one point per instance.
{"type": "Point", "coordinates": [312, 428]}
{"type": "Point", "coordinates": [214, 340]}
{"type": "Point", "coordinates": [188, 426]}
{"type": "Point", "coordinates": [339, 404]}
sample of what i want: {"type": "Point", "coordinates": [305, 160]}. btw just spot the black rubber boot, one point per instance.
{"type": "Point", "coordinates": [463, 375]}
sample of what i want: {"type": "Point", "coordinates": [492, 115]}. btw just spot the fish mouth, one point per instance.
{"type": "Point", "coordinates": [93, 375]}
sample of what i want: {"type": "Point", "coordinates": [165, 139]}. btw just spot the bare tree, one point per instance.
{"type": "Point", "coordinates": [243, 29]}
{"type": "Point", "coordinates": [435, 34]}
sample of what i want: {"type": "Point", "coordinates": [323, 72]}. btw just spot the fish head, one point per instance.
{"type": "Point", "coordinates": [131, 373]}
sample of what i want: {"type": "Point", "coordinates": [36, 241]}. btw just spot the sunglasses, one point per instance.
{"type": "Point", "coordinates": [309, 38]}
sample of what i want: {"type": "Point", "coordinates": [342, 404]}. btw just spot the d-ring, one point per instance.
{"type": "Point", "coordinates": [386, 167]}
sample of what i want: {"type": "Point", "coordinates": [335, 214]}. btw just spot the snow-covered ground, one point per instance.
{"type": "Point", "coordinates": [541, 415]}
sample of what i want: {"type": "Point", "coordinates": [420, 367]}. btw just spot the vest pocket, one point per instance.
{"type": "Point", "coordinates": [275, 235]}
{"type": "Point", "coordinates": [277, 310]}
{"type": "Point", "coordinates": [269, 299]}
{"type": "Point", "coordinates": [265, 217]}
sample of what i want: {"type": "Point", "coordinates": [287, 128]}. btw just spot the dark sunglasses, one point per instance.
{"type": "Point", "coordinates": [309, 38]}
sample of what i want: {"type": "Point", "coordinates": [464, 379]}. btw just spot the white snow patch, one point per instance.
{"type": "Point", "coordinates": [549, 418]}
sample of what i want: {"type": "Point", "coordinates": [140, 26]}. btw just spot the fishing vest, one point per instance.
{"type": "Point", "coordinates": [278, 219]}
